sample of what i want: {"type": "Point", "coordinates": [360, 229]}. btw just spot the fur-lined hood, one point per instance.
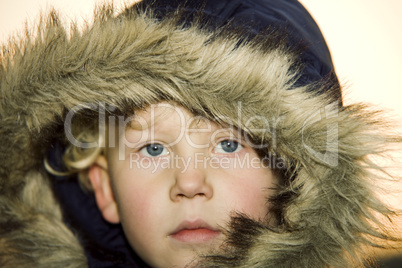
{"type": "Point", "coordinates": [328, 209]}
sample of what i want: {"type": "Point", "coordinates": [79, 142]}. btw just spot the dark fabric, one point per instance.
{"type": "Point", "coordinates": [387, 262]}
{"type": "Point", "coordinates": [105, 243]}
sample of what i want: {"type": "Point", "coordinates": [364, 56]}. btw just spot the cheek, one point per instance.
{"type": "Point", "coordinates": [141, 218]}
{"type": "Point", "coordinates": [135, 190]}
{"type": "Point", "coordinates": [137, 202]}
{"type": "Point", "coordinates": [249, 190]}
{"type": "Point", "coordinates": [133, 204]}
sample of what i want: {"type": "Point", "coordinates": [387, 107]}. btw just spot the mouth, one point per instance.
{"type": "Point", "coordinates": [194, 232]}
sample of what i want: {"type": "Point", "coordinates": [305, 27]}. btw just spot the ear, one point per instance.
{"type": "Point", "coordinates": [99, 178]}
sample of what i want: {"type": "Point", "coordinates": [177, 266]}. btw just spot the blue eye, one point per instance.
{"type": "Point", "coordinates": [154, 149]}
{"type": "Point", "coordinates": [228, 146]}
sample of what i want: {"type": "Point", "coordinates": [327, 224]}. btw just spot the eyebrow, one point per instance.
{"type": "Point", "coordinates": [136, 125]}
{"type": "Point", "coordinates": [199, 122]}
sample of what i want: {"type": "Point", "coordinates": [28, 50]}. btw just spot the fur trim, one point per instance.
{"type": "Point", "coordinates": [32, 232]}
{"type": "Point", "coordinates": [328, 207]}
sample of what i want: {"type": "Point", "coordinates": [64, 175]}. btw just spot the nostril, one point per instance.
{"type": "Point", "coordinates": [190, 195]}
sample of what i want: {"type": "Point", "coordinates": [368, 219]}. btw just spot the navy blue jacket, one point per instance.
{"type": "Point", "coordinates": [105, 243]}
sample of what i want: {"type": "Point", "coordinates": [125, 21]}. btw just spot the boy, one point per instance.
{"type": "Point", "coordinates": [174, 183]}
{"type": "Point", "coordinates": [212, 149]}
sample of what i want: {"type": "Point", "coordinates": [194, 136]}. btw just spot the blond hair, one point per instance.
{"type": "Point", "coordinates": [77, 159]}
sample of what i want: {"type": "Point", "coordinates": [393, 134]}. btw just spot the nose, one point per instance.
{"type": "Point", "coordinates": [190, 182]}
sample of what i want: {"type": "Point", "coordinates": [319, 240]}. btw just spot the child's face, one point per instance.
{"type": "Point", "coordinates": [181, 180]}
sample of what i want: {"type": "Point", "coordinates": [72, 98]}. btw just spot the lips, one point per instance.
{"type": "Point", "coordinates": [194, 232]}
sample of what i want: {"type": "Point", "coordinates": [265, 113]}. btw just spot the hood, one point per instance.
{"type": "Point", "coordinates": [327, 205]}
{"type": "Point", "coordinates": [251, 17]}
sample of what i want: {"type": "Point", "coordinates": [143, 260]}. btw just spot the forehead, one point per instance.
{"type": "Point", "coordinates": [165, 116]}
